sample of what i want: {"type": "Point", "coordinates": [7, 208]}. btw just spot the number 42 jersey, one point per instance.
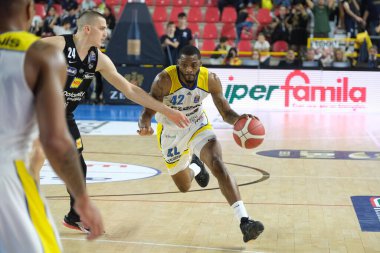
{"type": "Point", "coordinates": [185, 99]}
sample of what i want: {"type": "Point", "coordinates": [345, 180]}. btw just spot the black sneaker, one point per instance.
{"type": "Point", "coordinates": [77, 225]}
{"type": "Point", "coordinates": [203, 177]}
{"type": "Point", "coordinates": [251, 229]}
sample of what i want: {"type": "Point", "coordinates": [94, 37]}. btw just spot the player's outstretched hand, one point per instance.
{"type": "Point", "coordinates": [178, 118]}
{"type": "Point", "coordinates": [90, 216]}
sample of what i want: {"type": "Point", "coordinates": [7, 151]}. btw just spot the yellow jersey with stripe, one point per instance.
{"type": "Point", "coordinates": [24, 209]}
{"type": "Point", "coordinates": [17, 114]}
{"type": "Point", "coordinates": [184, 99]}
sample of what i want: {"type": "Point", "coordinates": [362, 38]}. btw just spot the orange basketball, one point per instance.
{"type": "Point", "coordinates": [249, 133]}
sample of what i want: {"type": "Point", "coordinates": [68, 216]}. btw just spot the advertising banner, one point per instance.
{"type": "Point", "coordinates": [250, 90]}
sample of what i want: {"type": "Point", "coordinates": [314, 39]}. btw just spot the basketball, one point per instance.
{"type": "Point", "coordinates": [249, 132]}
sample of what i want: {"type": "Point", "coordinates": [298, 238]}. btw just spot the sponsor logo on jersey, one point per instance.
{"type": "Point", "coordinates": [88, 75]}
{"type": "Point", "coordinates": [71, 71]}
{"type": "Point", "coordinates": [72, 96]}
{"type": "Point", "coordinates": [76, 82]}
{"type": "Point", "coordinates": [10, 42]}
{"type": "Point", "coordinates": [91, 57]}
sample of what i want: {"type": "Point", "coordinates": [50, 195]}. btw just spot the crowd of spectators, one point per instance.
{"type": "Point", "coordinates": [292, 23]}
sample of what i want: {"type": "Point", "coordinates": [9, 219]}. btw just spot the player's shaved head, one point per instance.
{"type": "Point", "coordinates": [12, 6]}
{"type": "Point", "coordinates": [15, 14]}
{"type": "Point", "coordinates": [88, 17]}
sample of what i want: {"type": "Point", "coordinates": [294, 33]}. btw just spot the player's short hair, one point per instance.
{"type": "Point", "coordinates": [190, 50]}
{"type": "Point", "coordinates": [87, 18]}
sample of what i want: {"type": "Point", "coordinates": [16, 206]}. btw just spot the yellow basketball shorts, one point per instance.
{"type": "Point", "coordinates": [177, 146]}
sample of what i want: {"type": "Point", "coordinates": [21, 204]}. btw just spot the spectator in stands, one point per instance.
{"type": "Point", "coordinates": [232, 58]}
{"type": "Point", "coordinates": [37, 25]}
{"type": "Point", "coordinates": [261, 44]}
{"type": "Point", "coordinates": [321, 14]}
{"type": "Point", "coordinates": [352, 17]}
{"type": "Point", "coordinates": [262, 60]}
{"type": "Point", "coordinates": [371, 15]}
{"type": "Point", "coordinates": [170, 44]}
{"type": "Point", "coordinates": [238, 4]}
{"type": "Point", "coordinates": [340, 60]}
{"type": "Point", "coordinates": [280, 26]}
{"type": "Point", "coordinates": [284, 3]}
{"type": "Point", "coordinates": [52, 18]}
{"type": "Point", "coordinates": [290, 60]}
{"type": "Point", "coordinates": [64, 29]}
{"type": "Point", "coordinates": [110, 17]}
{"type": "Point", "coordinates": [250, 3]}
{"type": "Point", "coordinates": [310, 59]}
{"type": "Point", "coordinates": [327, 57]}
{"type": "Point", "coordinates": [242, 23]}
{"type": "Point", "coordinates": [298, 20]}
{"type": "Point", "coordinates": [88, 5]}
{"type": "Point", "coordinates": [222, 46]}
{"type": "Point", "coordinates": [339, 55]}
{"type": "Point", "coordinates": [183, 33]}
{"type": "Point", "coordinates": [72, 16]}
{"type": "Point", "coordinates": [255, 55]}
{"type": "Point", "coordinates": [69, 4]}
{"type": "Point", "coordinates": [373, 61]}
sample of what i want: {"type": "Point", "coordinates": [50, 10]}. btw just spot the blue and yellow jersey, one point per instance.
{"type": "Point", "coordinates": [184, 99]}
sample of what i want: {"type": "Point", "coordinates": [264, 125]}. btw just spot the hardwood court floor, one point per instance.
{"type": "Point", "coordinates": [304, 204]}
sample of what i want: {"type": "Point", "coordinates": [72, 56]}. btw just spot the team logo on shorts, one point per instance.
{"type": "Point", "coordinates": [196, 98]}
{"type": "Point", "coordinates": [76, 82]}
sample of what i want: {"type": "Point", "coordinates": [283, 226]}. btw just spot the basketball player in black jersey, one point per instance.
{"type": "Point", "coordinates": [83, 59]}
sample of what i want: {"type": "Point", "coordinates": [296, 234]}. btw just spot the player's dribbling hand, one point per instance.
{"type": "Point", "coordinates": [245, 115]}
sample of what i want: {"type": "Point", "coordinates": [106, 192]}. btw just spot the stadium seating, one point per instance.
{"type": "Point", "coordinates": [210, 31]}
{"type": "Point", "coordinates": [229, 15]}
{"type": "Point", "coordinates": [40, 10]}
{"type": "Point", "coordinates": [159, 14]}
{"type": "Point", "coordinates": [195, 15]}
{"type": "Point", "coordinates": [228, 31]}
{"type": "Point", "coordinates": [212, 15]}
{"type": "Point", "coordinates": [280, 46]}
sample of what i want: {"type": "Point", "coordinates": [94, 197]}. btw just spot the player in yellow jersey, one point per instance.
{"type": "Point", "coordinates": [31, 80]}
{"type": "Point", "coordinates": [183, 87]}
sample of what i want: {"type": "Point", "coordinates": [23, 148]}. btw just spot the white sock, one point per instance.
{"type": "Point", "coordinates": [194, 167]}
{"type": "Point", "coordinates": [239, 210]}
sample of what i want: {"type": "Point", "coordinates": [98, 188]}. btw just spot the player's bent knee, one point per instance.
{"type": "Point", "coordinates": [218, 167]}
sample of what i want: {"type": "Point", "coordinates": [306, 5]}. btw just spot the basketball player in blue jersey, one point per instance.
{"type": "Point", "coordinates": [83, 59]}
{"type": "Point", "coordinates": [183, 87]}
{"type": "Point", "coordinates": [31, 79]}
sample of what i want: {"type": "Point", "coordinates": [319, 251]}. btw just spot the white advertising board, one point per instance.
{"type": "Point", "coordinates": [253, 90]}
